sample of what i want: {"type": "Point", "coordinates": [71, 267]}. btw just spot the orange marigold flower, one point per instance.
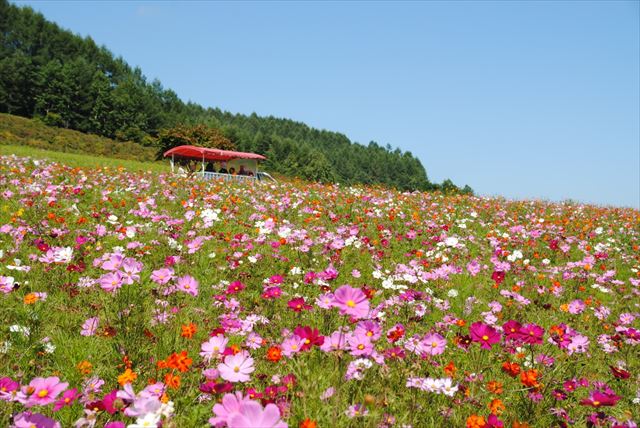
{"type": "Point", "coordinates": [30, 298]}
{"type": "Point", "coordinates": [517, 424]}
{"type": "Point", "coordinates": [496, 406]}
{"type": "Point", "coordinates": [172, 381]}
{"type": "Point", "coordinates": [188, 330]}
{"type": "Point", "coordinates": [274, 354]}
{"type": "Point", "coordinates": [129, 376]}
{"type": "Point", "coordinates": [308, 423]}
{"type": "Point", "coordinates": [475, 421]}
{"type": "Point", "coordinates": [235, 349]}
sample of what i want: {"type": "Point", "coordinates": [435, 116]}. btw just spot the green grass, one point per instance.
{"type": "Point", "coordinates": [84, 160]}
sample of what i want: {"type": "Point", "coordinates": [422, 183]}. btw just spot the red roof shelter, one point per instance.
{"type": "Point", "coordinates": [206, 155]}
{"type": "Point", "coordinates": [211, 155]}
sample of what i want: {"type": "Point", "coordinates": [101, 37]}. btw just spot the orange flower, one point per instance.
{"type": "Point", "coordinates": [496, 406]}
{"type": "Point", "coordinates": [475, 421]}
{"type": "Point", "coordinates": [495, 387]}
{"type": "Point", "coordinates": [517, 424]}
{"type": "Point", "coordinates": [129, 376]}
{"type": "Point", "coordinates": [188, 330]}
{"type": "Point", "coordinates": [450, 369]}
{"type": "Point", "coordinates": [30, 298]}
{"type": "Point", "coordinates": [530, 378]}
{"type": "Point", "coordinates": [512, 369]}
{"type": "Point", "coordinates": [172, 381]}
{"type": "Point", "coordinates": [274, 354]}
{"type": "Point", "coordinates": [85, 367]}
{"type": "Point", "coordinates": [308, 423]}
{"type": "Point", "coordinates": [179, 361]}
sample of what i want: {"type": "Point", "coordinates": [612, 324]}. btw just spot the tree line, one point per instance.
{"type": "Point", "coordinates": [69, 81]}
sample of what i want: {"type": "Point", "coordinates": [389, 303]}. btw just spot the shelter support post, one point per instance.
{"type": "Point", "coordinates": [172, 163]}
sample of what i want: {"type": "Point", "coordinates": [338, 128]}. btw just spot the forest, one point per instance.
{"type": "Point", "coordinates": [68, 81]}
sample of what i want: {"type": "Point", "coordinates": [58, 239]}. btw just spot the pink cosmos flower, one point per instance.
{"type": "Point", "coordinates": [30, 420]}
{"type": "Point", "coordinates": [162, 276]}
{"type": "Point", "coordinates": [484, 334]}
{"type": "Point", "coordinates": [292, 345]}
{"type": "Point", "coordinates": [213, 347]}
{"type": "Point", "coordinates": [253, 415]}
{"type": "Point", "coordinates": [131, 269]}
{"type": "Point", "coordinates": [236, 368]}
{"type": "Point", "coordinates": [230, 405]}
{"type": "Point", "coordinates": [360, 345]}
{"type": "Point", "coordinates": [433, 344]}
{"type": "Point", "coordinates": [351, 301]}
{"type": "Point", "coordinates": [67, 399]}
{"type": "Point", "coordinates": [42, 391]}
{"type": "Point", "coordinates": [188, 284]}
{"type": "Point", "coordinates": [334, 342]}
{"type": "Point", "coordinates": [110, 281]}
{"type": "Point", "coordinates": [113, 263]}
{"type": "Point", "coordinates": [8, 388]}
{"type": "Point", "coordinates": [90, 326]}
{"type": "Point", "coordinates": [6, 284]}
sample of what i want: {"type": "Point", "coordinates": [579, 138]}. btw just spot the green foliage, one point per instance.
{"type": "Point", "coordinates": [199, 135]}
{"type": "Point", "coordinates": [70, 82]}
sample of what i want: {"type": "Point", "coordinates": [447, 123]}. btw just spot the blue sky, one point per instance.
{"type": "Point", "coordinates": [520, 99]}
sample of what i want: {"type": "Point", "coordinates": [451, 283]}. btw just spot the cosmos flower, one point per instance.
{"type": "Point", "coordinates": [351, 301]}
{"type": "Point", "coordinates": [236, 368]}
{"type": "Point", "coordinates": [188, 284]}
{"type": "Point", "coordinates": [483, 334]}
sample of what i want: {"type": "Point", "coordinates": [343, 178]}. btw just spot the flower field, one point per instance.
{"type": "Point", "coordinates": [139, 299]}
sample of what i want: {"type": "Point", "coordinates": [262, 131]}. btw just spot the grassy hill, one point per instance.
{"type": "Point", "coordinates": [16, 130]}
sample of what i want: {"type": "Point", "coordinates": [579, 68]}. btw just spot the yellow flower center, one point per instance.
{"type": "Point", "coordinates": [596, 403]}
{"type": "Point", "coordinates": [236, 369]}
{"type": "Point", "coordinates": [351, 303]}
{"type": "Point", "coordinates": [434, 344]}
{"type": "Point", "coordinates": [485, 337]}
{"type": "Point", "coordinates": [43, 393]}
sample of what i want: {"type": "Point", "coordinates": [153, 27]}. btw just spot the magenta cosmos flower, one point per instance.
{"type": "Point", "coordinates": [484, 334]}
{"type": "Point", "coordinates": [351, 301]}
{"type": "Point", "coordinates": [42, 391]}
{"type": "Point", "coordinates": [599, 399]}
{"type": "Point", "coordinates": [236, 368]}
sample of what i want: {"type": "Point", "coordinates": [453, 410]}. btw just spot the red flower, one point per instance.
{"type": "Point", "coordinates": [619, 373]}
{"type": "Point", "coordinates": [298, 304]}
{"type": "Point", "coordinates": [311, 337]}
{"type": "Point", "coordinates": [497, 276]}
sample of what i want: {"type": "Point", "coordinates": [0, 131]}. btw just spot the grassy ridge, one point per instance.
{"type": "Point", "coordinates": [15, 130]}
